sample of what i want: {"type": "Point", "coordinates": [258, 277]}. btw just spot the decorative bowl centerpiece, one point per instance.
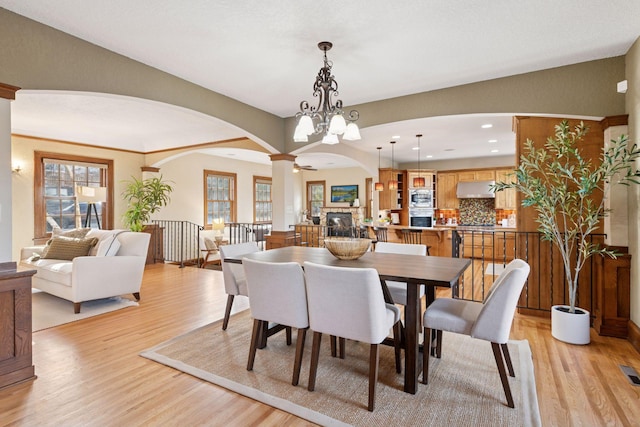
{"type": "Point", "coordinates": [347, 247]}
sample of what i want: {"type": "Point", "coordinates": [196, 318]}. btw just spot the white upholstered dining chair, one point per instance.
{"type": "Point", "coordinates": [235, 282]}
{"type": "Point", "coordinates": [490, 320]}
{"type": "Point", "coordinates": [277, 294]}
{"type": "Point", "coordinates": [398, 290]}
{"type": "Point", "coordinates": [349, 303]}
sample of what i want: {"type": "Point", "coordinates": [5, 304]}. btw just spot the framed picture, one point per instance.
{"type": "Point", "coordinates": [344, 193]}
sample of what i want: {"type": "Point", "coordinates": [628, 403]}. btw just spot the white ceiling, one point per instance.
{"type": "Point", "coordinates": [264, 53]}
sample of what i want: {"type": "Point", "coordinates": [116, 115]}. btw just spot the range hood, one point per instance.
{"type": "Point", "coordinates": [475, 190]}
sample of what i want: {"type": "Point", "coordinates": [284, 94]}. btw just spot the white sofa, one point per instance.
{"type": "Point", "coordinates": [95, 276]}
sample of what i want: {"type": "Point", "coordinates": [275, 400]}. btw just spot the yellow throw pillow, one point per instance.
{"type": "Point", "coordinates": [65, 248]}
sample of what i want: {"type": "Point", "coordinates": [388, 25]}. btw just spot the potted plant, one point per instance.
{"type": "Point", "coordinates": [144, 197]}
{"type": "Point", "coordinates": [559, 183]}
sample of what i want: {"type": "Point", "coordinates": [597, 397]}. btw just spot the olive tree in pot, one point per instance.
{"type": "Point", "coordinates": [561, 184]}
{"type": "Point", "coordinates": [144, 197]}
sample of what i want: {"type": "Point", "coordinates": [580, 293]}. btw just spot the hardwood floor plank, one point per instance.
{"type": "Point", "coordinates": [90, 372]}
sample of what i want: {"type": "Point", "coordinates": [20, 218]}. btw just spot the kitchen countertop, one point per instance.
{"type": "Point", "coordinates": [487, 228]}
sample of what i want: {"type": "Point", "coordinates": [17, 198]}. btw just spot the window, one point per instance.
{"type": "Point", "coordinates": [56, 177]}
{"type": "Point", "coordinates": [263, 206]}
{"type": "Point", "coordinates": [315, 197]}
{"type": "Point", "coordinates": [220, 196]}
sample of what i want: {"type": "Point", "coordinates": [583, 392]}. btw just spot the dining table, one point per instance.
{"type": "Point", "coordinates": [414, 270]}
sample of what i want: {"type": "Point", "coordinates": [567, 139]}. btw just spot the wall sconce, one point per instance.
{"type": "Point", "coordinates": [16, 168]}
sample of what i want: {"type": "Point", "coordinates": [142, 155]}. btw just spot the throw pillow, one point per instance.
{"type": "Point", "coordinates": [65, 248]}
{"type": "Point", "coordinates": [108, 246]}
{"type": "Point", "coordinates": [75, 233]}
{"type": "Point", "coordinates": [210, 244]}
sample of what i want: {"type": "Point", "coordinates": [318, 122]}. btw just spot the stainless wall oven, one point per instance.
{"type": "Point", "coordinates": [420, 198]}
{"type": "Point", "coordinates": [420, 217]}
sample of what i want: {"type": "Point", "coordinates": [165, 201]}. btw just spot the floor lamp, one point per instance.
{"type": "Point", "coordinates": [91, 196]}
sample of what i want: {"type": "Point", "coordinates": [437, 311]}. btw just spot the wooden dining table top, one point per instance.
{"type": "Point", "coordinates": [432, 270]}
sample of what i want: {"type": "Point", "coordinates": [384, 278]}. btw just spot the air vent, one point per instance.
{"type": "Point", "coordinates": [631, 374]}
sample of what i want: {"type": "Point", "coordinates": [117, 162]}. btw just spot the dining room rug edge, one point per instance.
{"type": "Point", "coordinates": [250, 392]}
{"type": "Point", "coordinates": [525, 370]}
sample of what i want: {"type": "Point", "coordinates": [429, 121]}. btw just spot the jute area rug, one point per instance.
{"type": "Point", "coordinates": [49, 311]}
{"type": "Point", "coordinates": [464, 386]}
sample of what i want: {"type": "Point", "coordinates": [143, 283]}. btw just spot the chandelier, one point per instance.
{"type": "Point", "coordinates": [327, 117]}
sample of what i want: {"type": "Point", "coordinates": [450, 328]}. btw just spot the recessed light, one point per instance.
{"type": "Point", "coordinates": [415, 148]}
{"type": "Point", "coordinates": [494, 151]}
{"type": "Point", "coordinates": [491, 141]}
{"type": "Point", "coordinates": [395, 137]}
{"type": "Point", "coordinates": [487, 126]}
{"type": "Point", "coordinates": [429, 156]}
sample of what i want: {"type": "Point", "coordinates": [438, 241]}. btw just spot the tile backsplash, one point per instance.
{"type": "Point", "coordinates": [477, 212]}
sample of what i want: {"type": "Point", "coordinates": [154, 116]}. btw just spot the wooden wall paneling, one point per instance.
{"type": "Point", "coordinates": [612, 304]}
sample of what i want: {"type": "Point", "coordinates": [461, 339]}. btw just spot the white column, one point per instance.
{"type": "Point", "coordinates": [283, 194]}
{"type": "Point", "coordinates": [7, 94]}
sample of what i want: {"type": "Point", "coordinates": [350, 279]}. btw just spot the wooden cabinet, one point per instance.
{"type": "Point", "coordinates": [504, 247]}
{"type": "Point", "coordinates": [428, 175]}
{"type": "Point", "coordinates": [392, 199]}
{"type": "Point", "coordinates": [477, 175]}
{"type": "Point", "coordinates": [16, 363]}
{"type": "Point", "coordinates": [477, 245]}
{"type": "Point", "coordinates": [446, 191]}
{"type": "Point", "coordinates": [506, 199]}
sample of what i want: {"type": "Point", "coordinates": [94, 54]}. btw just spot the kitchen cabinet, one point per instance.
{"type": "Point", "coordinates": [506, 199]}
{"type": "Point", "coordinates": [428, 175]}
{"type": "Point", "coordinates": [504, 247]}
{"type": "Point", "coordinates": [477, 245]}
{"type": "Point", "coordinates": [477, 175]}
{"type": "Point", "coordinates": [446, 191]}
{"type": "Point", "coordinates": [392, 199]}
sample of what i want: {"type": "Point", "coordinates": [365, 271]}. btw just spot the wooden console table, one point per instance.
{"type": "Point", "coordinates": [16, 363]}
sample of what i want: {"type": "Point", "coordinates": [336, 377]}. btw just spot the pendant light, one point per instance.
{"type": "Point", "coordinates": [419, 181]}
{"type": "Point", "coordinates": [379, 186]}
{"type": "Point", "coordinates": [393, 183]}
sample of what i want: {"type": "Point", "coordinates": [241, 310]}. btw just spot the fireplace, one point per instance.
{"type": "Point", "coordinates": [339, 224]}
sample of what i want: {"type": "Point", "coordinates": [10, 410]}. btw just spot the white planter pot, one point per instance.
{"type": "Point", "coordinates": [572, 328]}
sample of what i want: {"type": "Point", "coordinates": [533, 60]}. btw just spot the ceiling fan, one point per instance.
{"type": "Point", "coordinates": [297, 167]}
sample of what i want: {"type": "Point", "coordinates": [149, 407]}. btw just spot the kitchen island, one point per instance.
{"type": "Point", "coordinates": [437, 238]}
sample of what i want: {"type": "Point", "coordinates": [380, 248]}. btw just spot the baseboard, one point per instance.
{"type": "Point", "coordinates": [634, 335]}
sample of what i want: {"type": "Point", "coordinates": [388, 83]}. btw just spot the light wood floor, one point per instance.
{"type": "Point", "coordinates": [90, 374]}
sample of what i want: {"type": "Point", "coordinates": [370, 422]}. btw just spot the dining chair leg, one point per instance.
{"type": "Point", "coordinates": [397, 343]}
{"type": "Point", "coordinates": [342, 347]}
{"type": "Point", "coordinates": [373, 375]}
{"type": "Point", "coordinates": [438, 343]}
{"type": "Point", "coordinates": [297, 364]}
{"type": "Point", "coordinates": [426, 354]}
{"type": "Point", "coordinates": [334, 346]}
{"type": "Point", "coordinates": [507, 359]}
{"type": "Point", "coordinates": [255, 337]}
{"type": "Point", "coordinates": [288, 332]}
{"type": "Point", "coordinates": [264, 334]}
{"type": "Point", "coordinates": [227, 312]}
{"type": "Point", "coordinates": [315, 355]}
{"type": "Point", "coordinates": [497, 354]}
